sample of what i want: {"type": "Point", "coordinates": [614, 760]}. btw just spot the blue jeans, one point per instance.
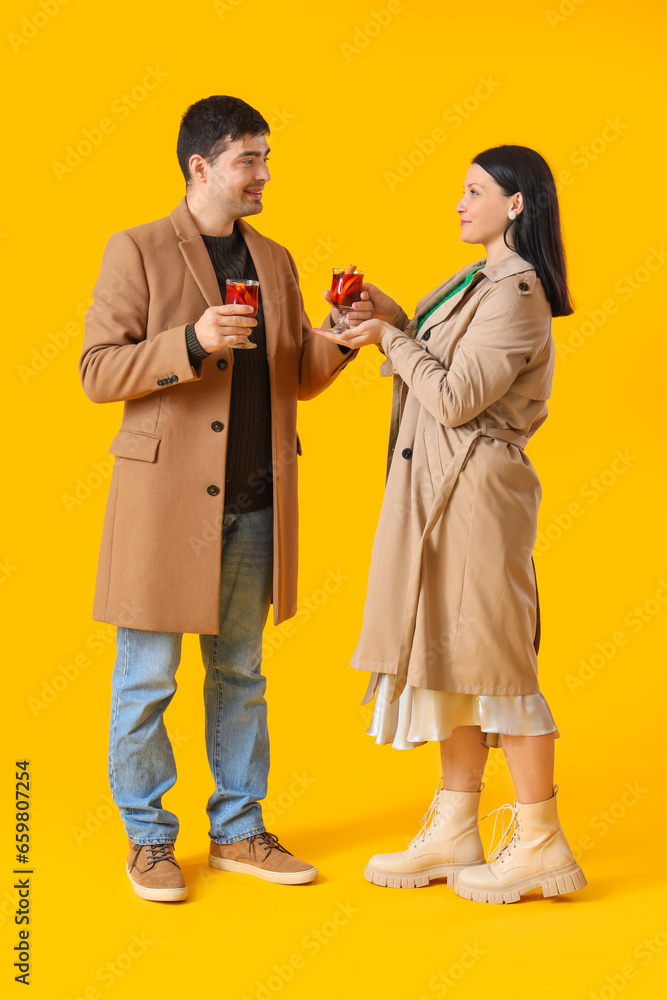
{"type": "Point", "coordinates": [141, 760]}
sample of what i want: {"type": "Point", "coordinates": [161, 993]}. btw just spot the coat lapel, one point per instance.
{"type": "Point", "coordinates": [199, 264]}
{"type": "Point", "coordinates": [195, 254]}
{"type": "Point", "coordinates": [443, 311]}
{"type": "Point", "coordinates": [512, 264]}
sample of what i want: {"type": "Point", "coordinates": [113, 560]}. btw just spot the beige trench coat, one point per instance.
{"type": "Point", "coordinates": [452, 602]}
{"type": "Point", "coordinates": [159, 565]}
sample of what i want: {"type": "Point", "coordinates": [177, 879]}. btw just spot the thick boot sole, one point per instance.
{"type": "Point", "coordinates": [173, 895]}
{"type": "Point", "coordinates": [555, 882]}
{"type": "Point", "coordinates": [418, 878]}
{"type": "Point", "coordinates": [280, 878]}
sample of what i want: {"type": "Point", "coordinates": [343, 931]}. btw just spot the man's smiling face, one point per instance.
{"type": "Point", "coordinates": [235, 180]}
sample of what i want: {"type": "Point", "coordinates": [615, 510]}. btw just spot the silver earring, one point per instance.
{"type": "Point", "coordinates": [512, 214]}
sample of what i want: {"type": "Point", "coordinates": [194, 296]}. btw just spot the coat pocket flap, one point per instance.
{"type": "Point", "coordinates": [135, 444]}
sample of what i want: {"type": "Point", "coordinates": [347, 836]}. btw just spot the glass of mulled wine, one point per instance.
{"type": "Point", "coordinates": [346, 289]}
{"type": "Point", "coordinates": [245, 293]}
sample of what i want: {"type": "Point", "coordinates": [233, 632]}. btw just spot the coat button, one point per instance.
{"type": "Point", "coordinates": [216, 425]}
{"type": "Point", "coordinates": [174, 378]}
{"type": "Point", "coordinates": [222, 364]}
{"type": "Point", "coordinates": [407, 453]}
{"type": "Point", "coordinates": [213, 491]}
{"type": "Point", "coordinates": [427, 335]}
{"type": "Point", "coordinates": [523, 286]}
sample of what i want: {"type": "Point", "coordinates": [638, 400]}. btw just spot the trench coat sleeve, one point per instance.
{"type": "Point", "coordinates": [400, 323]}
{"type": "Point", "coordinates": [401, 320]}
{"type": "Point", "coordinates": [117, 361]}
{"type": "Point", "coordinates": [321, 360]}
{"type": "Point", "coordinates": [507, 331]}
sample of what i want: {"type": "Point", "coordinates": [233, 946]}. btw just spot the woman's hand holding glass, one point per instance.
{"type": "Point", "coordinates": [369, 318]}
{"type": "Point", "coordinates": [361, 335]}
{"type": "Point", "coordinates": [356, 312]}
{"type": "Point", "coordinates": [384, 307]}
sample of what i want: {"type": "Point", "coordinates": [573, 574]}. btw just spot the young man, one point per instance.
{"type": "Point", "coordinates": [200, 533]}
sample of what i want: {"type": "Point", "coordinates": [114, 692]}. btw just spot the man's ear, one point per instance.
{"type": "Point", "coordinates": [198, 168]}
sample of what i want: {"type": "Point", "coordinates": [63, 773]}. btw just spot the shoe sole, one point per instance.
{"type": "Point", "coordinates": [418, 879]}
{"type": "Point", "coordinates": [557, 882]}
{"type": "Point", "coordinates": [173, 895]}
{"type": "Point", "coordinates": [280, 878]}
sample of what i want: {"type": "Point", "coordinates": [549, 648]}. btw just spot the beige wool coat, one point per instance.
{"type": "Point", "coordinates": [159, 565]}
{"type": "Point", "coordinates": [452, 601]}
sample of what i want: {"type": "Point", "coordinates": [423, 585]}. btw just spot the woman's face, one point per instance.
{"type": "Point", "coordinates": [483, 209]}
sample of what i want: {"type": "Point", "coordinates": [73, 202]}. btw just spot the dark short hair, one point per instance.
{"type": "Point", "coordinates": [535, 234]}
{"type": "Point", "coordinates": [209, 125]}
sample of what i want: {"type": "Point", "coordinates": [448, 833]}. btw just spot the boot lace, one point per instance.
{"type": "Point", "coordinates": [508, 833]}
{"type": "Point", "coordinates": [428, 817]}
{"type": "Point", "coordinates": [268, 841]}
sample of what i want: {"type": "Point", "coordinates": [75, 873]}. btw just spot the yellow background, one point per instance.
{"type": "Point", "coordinates": [350, 89]}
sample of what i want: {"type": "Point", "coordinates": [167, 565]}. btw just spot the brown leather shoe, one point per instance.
{"type": "Point", "coordinates": [261, 855]}
{"type": "Point", "coordinates": [154, 873]}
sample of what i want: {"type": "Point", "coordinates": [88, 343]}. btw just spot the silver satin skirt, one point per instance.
{"type": "Point", "coordinates": [420, 714]}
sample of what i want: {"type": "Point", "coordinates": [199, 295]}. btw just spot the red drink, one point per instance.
{"type": "Point", "coordinates": [244, 293]}
{"type": "Point", "coordinates": [346, 288]}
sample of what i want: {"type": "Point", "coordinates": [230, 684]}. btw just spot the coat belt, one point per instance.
{"type": "Point", "coordinates": [452, 472]}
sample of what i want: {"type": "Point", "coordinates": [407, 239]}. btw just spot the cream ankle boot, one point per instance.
{"type": "Point", "coordinates": [448, 842]}
{"type": "Point", "coordinates": [537, 856]}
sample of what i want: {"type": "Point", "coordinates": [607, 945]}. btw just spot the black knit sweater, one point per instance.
{"type": "Point", "coordinates": [248, 475]}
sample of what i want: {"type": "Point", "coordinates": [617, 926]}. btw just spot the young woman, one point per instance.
{"type": "Point", "coordinates": [451, 623]}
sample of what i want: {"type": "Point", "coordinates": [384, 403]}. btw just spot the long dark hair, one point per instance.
{"type": "Point", "coordinates": [535, 233]}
